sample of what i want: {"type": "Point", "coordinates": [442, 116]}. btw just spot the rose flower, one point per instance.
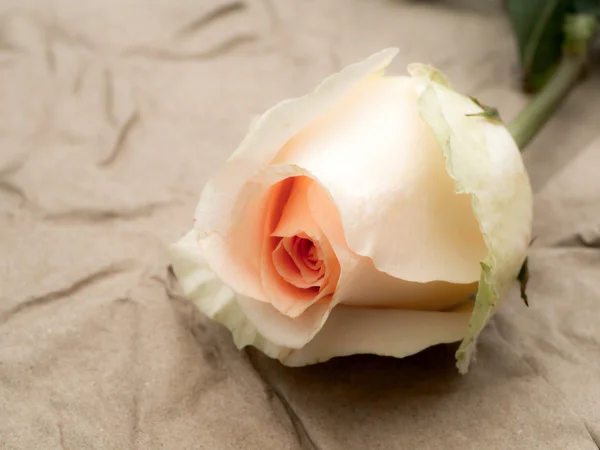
{"type": "Point", "coordinates": [377, 214]}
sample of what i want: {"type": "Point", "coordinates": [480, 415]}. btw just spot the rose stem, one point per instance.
{"type": "Point", "coordinates": [579, 30]}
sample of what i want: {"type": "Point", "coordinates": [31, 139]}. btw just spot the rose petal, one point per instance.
{"type": "Point", "coordinates": [486, 163]}
{"type": "Point", "coordinates": [237, 259]}
{"type": "Point", "coordinates": [387, 332]}
{"type": "Point", "coordinates": [367, 286]}
{"type": "Point", "coordinates": [386, 174]}
{"type": "Point", "coordinates": [288, 298]}
{"type": "Point", "coordinates": [310, 274]}
{"type": "Point", "coordinates": [283, 330]}
{"type": "Point", "coordinates": [295, 220]}
{"type": "Point", "coordinates": [349, 329]}
{"type": "Point", "coordinates": [277, 291]}
{"type": "Point", "coordinates": [228, 213]}
{"type": "Point", "coordinates": [361, 284]}
{"type": "Point", "coordinates": [250, 321]}
{"type": "Point", "coordinates": [197, 281]}
{"type": "Point", "coordinates": [288, 269]}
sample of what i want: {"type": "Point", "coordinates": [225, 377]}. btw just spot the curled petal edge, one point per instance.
{"type": "Point", "coordinates": [485, 162]}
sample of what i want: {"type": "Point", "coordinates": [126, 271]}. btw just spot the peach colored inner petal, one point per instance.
{"type": "Point", "coordinates": [293, 269]}
{"type": "Point", "coordinates": [276, 289]}
{"type": "Point", "coordinates": [299, 265]}
{"type": "Point", "coordinates": [300, 248]}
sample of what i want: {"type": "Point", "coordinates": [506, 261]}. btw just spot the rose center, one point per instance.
{"type": "Point", "coordinates": [299, 261]}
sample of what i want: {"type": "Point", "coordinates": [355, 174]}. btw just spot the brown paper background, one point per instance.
{"type": "Point", "coordinates": [113, 113]}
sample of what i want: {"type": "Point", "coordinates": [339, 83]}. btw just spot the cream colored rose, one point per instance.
{"type": "Point", "coordinates": [361, 218]}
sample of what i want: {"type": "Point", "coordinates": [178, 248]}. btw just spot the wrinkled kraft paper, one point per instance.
{"type": "Point", "coordinates": [112, 116]}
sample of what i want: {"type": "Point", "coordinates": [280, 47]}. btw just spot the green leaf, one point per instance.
{"type": "Point", "coordinates": [538, 26]}
{"type": "Point", "coordinates": [588, 7]}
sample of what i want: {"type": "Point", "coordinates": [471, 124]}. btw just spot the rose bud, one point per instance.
{"type": "Point", "coordinates": [377, 214]}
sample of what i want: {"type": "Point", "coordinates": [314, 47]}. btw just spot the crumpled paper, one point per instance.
{"type": "Point", "coordinates": [112, 115]}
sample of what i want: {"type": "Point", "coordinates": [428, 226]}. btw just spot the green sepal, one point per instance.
{"type": "Point", "coordinates": [523, 279]}
{"type": "Point", "coordinates": [489, 112]}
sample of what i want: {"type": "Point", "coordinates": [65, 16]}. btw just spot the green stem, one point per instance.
{"type": "Point", "coordinates": [524, 127]}
{"type": "Point", "coordinates": [532, 118]}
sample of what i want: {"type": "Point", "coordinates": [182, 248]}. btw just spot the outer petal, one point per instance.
{"type": "Point", "coordinates": [349, 330]}
{"type": "Point", "coordinates": [240, 314]}
{"type": "Point", "coordinates": [485, 162]}
{"type": "Point", "coordinates": [385, 172]}
{"type": "Point", "coordinates": [212, 297]}
{"type": "Point", "coordinates": [362, 284]}
{"type": "Point", "coordinates": [387, 332]}
{"type": "Point", "coordinates": [226, 216]}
